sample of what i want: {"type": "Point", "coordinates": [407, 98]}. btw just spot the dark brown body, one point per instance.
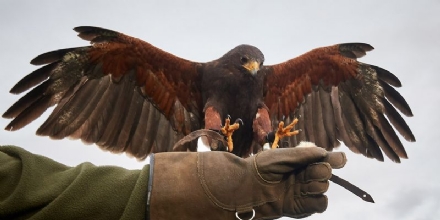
{"type": "Point", "coordinates": [237, 94]}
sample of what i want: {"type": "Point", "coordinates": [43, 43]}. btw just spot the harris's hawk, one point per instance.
{"type": "Point", "coordinates": [126, 95]}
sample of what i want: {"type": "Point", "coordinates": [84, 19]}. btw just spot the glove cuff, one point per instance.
{"type": "Point", "coordinates": [176, 191]}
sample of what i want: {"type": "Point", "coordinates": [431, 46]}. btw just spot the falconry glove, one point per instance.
{"type": "Point", "coordinates": [274, 183]}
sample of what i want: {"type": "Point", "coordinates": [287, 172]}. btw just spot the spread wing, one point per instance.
{"type": "Point", "coordinates": [121, 93]}
{"type": "Point", "coordinates": [339, 99]}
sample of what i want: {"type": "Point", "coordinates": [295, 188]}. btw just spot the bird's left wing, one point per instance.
{"type": "Point", "coordinates": [121, 93]}
{"type": "Point", "coordinates": [339, 99]}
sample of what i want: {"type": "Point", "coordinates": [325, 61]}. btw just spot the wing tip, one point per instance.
{"type": "Point", "coordinates": [38, 60]}
{"type": "Point", "coordinates": [80, 29]}
{"type": "Point", "coordinates": [51, 56]}
{"type": "Point", "coordinates": [387, 76]}
{"type": "Point", "coordinates": [8, 115]}
{"type": "Point", "coordinates": [90, 33]}
{"type": "Point", "coordinates": [355, 50]}
{"type": "Point", "coordinates": [409, 136]}
{"type": "Point", "coordinates": [8, 127]}
{"type": "Point", "coordinates": [16, 90]}
{"type": "Point", "coordinates": [14, 126]}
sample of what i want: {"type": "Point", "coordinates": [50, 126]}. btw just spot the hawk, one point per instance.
{"type": "Point", "coordinates": [125, 95]}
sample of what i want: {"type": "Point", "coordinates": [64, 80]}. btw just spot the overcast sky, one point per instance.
{"type": "Point", "coordinates": [405, 35]}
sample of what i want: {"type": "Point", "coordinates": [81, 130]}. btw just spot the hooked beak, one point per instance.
{"type": "Point", "coordinates": [252, 66]}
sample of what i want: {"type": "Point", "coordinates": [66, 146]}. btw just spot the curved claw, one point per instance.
{"type": "Point", "coordinates": [239, 121]}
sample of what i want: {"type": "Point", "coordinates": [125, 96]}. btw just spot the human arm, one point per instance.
{"type": "Point", "coordinates": [36, 187]}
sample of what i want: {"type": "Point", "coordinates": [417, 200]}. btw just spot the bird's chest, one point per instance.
{"type": "Point", "coordinates": [234, 93]}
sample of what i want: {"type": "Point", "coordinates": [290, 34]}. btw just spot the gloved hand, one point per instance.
{"type": "Point", "coordinates": [219, 185]}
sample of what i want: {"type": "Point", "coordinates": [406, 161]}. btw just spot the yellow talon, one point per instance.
{"type": "Point", "coordinates": [284, 132]}
{"type": "Point", "coordinates": [227, 131]}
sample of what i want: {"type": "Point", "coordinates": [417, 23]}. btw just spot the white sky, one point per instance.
{"type": "Point", "coordinates": [405, 34]}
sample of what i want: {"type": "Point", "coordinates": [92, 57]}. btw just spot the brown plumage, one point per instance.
{"type": "Point", "coordinates": [126, 95]}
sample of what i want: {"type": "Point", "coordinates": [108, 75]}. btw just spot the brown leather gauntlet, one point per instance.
{"type": "Point", "coordinates": [220, 185]}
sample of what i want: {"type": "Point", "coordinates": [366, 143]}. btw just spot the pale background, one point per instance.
{"type": "Point", "coordinates": [405, 34]}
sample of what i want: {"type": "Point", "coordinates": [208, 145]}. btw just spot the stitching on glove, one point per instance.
{"type": "Point", "coordinates": [259, 174]}
{"type": "Point", "coordinates": [229, 207]}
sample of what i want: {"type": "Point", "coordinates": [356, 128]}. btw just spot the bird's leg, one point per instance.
{"type": "Point", "coordinates": [228, 129]}
{"type": "Point", "coordinates": [284, 132]}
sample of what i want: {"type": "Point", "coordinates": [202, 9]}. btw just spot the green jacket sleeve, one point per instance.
{"type": "Point", "coordinates": [36, 187]}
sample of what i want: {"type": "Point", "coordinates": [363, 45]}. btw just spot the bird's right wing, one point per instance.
{"type": "Point", "coordinates": [339, 99]}
{"type": "Point", "coordinates": [121, 93]}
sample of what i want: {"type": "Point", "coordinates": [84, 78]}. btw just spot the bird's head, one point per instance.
{"type": "Point", "coordinates": [246, 58]}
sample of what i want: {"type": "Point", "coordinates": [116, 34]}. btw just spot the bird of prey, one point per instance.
{"type": "Point", "coordinates": [126, 95]}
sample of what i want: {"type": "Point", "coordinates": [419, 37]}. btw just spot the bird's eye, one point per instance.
{"type": "Point", "coordinates": [244, 60]}
{"type": "Point", "coordinates": [261, 64]}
